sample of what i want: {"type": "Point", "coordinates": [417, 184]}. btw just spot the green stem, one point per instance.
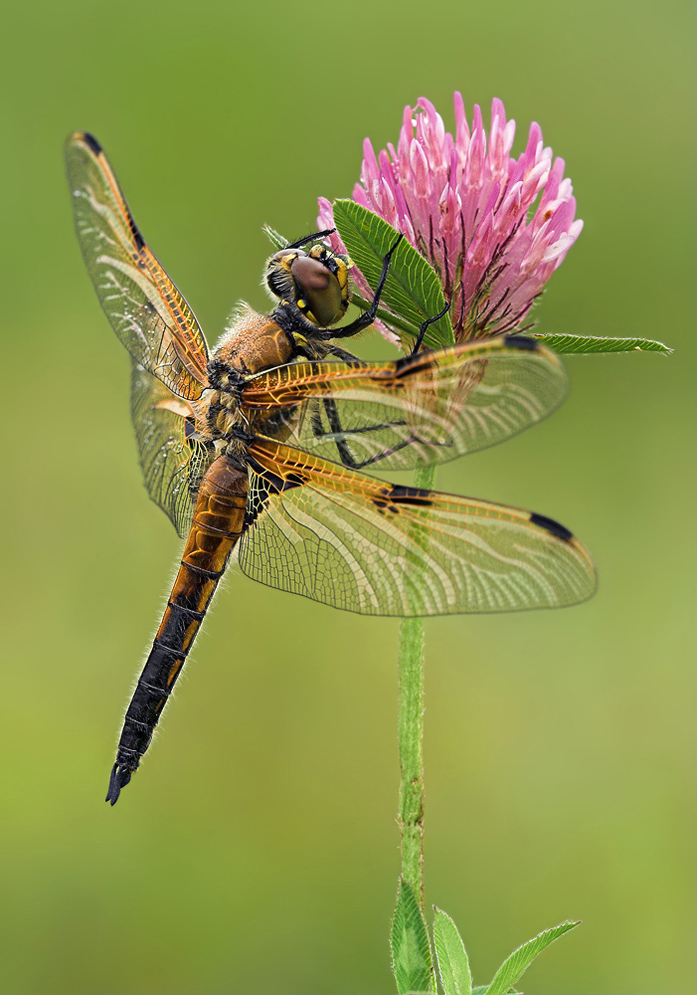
{"type": "Point", "coordinates": [410, 732]}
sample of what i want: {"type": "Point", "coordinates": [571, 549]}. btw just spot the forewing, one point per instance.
{"type": "Point", "coordinates": [347, 540]}
{"type": "Point", "coordinates": [147, 312]}
{"type": "Point", "coordinates": [417, 411]}
{"type": "Point", "coordinates": [172, 459]}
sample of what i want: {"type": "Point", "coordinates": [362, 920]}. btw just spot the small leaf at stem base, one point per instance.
{"type": "Point", "coordinates": [521, 959]}
{"type": "Point", "coordinates": [411, 952]}
{"type": "Point", "coordinates": [453, 963]}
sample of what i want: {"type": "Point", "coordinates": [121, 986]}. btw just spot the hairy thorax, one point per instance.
{"type": "Point", "coordinates": [252, 343]}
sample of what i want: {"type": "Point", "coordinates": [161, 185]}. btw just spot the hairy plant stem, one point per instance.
{"type": "Point", "coordinates": [410, 733]}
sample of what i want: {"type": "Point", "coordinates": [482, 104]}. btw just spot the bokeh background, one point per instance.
{"type": "Point", "coordinates": [256, 850]}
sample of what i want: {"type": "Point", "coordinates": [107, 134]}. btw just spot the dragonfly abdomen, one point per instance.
{"type": "Point", "coordinates": [215, 529]}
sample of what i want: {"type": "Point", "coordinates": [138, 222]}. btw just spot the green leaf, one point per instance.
{"type": "Point", "coordinates": [597, 343]}
{"type": "Point", "coordinates": [481, 990]}
{"type": "Point", "coordinates": [387, 316]}
{"type": "Point", "coordinates": [412, 290]}
{"type": "Point", "coordinates": [411, 953]}
{"type": "Point", "coordinates": [276, 240]}
{"type": "Point", "coordinates": [521, 959]}
{"type": "Point", "coordinates": [453, 963]}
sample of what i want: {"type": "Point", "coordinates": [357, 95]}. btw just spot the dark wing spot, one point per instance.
{"type": "Point", "coordinates": [397, 494]}
{"type": "Point", "coordinates": [268, 484]}
{"type": "Point", "coordinates": [410, 364]}
{"type": "Point", "coordinates": [91, 143]}
{"type": "Point", "coordinates": [560, 531]}
{"type": "Point", "coordinates": [521, 342]}
{"type": "Point", "coordinates": [293, 480]}
{"type": "Point", "coordinates": [137, 237]}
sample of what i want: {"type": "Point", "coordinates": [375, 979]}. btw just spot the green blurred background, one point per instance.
{"type": "Point", "coordinates": [256, 851]}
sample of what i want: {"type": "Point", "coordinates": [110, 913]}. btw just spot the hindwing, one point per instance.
{"type": "Point", "coordinates": [356, 543]}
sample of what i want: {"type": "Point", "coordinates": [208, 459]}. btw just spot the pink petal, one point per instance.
{"type": "Point", "coordinates": [464, 203]}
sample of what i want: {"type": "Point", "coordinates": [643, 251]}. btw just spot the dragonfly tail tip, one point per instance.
{"type": "Point", "coordinates": [120, 776]}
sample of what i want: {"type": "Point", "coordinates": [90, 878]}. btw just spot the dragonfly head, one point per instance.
{"type": "Point", "coordinates": [313, 281]}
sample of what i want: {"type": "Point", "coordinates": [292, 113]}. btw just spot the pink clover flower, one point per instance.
{"type": "Point", "coordinates": [493, 227]}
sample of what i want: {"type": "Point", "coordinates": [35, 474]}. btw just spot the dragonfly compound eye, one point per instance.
{"type": "Point", "coordinates": [323, 287]}
{"type": "Point", "coordinates": [315, 281]}
{"type": "Point", "coordinates": [319, 291]}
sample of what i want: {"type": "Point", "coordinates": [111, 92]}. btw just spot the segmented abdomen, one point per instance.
{"type": "Point", "coordinates": [216, 527]}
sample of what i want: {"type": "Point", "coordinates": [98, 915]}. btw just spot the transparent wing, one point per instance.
{"type": "Point", "coordinates": [347, 540]}
{"type": "Point", "coordinates": [147, 312]}
{"type": "Point", "coordinates": [417, 411]}
{"type": "Point", "coordinates": [172, 459]}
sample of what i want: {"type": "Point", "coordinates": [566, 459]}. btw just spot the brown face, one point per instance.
{"type": "Point", "coordinates": [316, 282]}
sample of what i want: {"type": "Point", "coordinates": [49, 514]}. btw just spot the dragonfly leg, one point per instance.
{"type": "Point", "coordinates": [315, 237]}
{"type": "Point", "coordinates": [343, 354]}
{"type": "Point", "coordinates": [422, 330]}
{"type": "Point", "coordinates": [368, 317]}
{"type": "Point", "coordinates": [338, 435]}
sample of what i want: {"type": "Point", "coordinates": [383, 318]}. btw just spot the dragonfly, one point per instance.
{"type": "Point", "coordinates": [257, 448]}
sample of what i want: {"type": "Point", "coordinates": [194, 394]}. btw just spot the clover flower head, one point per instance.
{"type": "Point", "coordinates": [493, 227]}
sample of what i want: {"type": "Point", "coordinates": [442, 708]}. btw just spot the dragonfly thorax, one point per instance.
{"type": "Point", "coordinates": [219, 415]}
{"type": "Point", "coordinates": [253, 342]}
